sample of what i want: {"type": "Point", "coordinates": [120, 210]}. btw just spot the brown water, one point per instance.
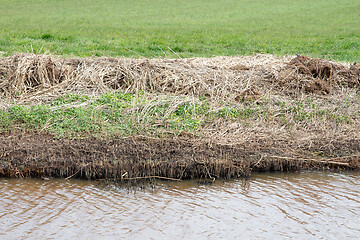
{"type": "Point", "coordinates": [301, 206]}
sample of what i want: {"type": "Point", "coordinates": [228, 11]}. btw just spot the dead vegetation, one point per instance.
{"type": "Point", "coordinates": [29, 77]}
{"type": "Point", "coordinates": [318, 76]}
{"type": "Point", "coordinates": [31, 154]}
{"type": "Point", "coordinates": [223, 148]}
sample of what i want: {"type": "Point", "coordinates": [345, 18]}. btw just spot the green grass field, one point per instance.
{"type": "Point", "coordinates": [323, 28]}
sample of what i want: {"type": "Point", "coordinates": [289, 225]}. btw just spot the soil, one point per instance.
{"type": "Point", "coordinates": [317, 76]}
{"type": "Point", "coordinates": [34, 154]}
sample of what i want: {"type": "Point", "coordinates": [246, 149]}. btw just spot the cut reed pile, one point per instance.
{"type": "Point", "coordinates": [27, 77]}
{"type": "Point", "coordinates": [263, 113]}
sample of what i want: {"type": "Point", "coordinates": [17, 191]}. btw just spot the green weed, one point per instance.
{"type": "Point", "coordinates": [124, 114]}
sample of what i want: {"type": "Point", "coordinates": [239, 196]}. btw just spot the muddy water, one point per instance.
{"type": "Point", "coordinates": [300, 206]}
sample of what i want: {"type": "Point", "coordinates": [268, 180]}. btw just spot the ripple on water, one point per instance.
{"type": "Point", "coordinates": [302, 205]}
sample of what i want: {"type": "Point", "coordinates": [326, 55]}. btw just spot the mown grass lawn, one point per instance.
{"type": "Point", "coordinates": [323, 28]}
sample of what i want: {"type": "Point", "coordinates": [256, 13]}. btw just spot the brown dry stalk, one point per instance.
{"type": "Point", "coordinates": [148, 177]}
{"type": "Point", "coordinates": [322, 160]}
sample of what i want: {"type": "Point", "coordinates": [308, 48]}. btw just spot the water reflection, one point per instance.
{"type": "Point", "coordinates": [302, 206]}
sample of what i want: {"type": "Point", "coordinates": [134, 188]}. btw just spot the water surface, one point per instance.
{"type": "Point", "coordinates": [309, 205]}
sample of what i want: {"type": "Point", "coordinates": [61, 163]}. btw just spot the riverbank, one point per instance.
{"type": "Point", "coordinates": [222, 117]}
